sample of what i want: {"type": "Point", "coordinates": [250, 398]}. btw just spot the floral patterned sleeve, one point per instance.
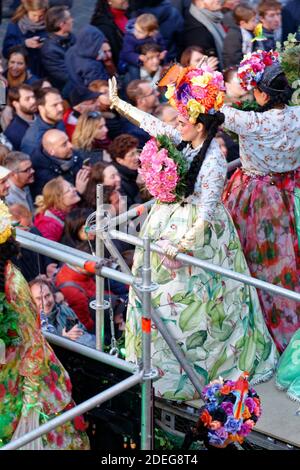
{"type": "Point", "coordinates": [241, 122]}
{"type": "Point", "coordinates": [210, 182]}
{"type": "Point", "coordinates": [155, 127]}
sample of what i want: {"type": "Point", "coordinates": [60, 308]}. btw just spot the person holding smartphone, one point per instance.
{"type": "Point", "coordinates": [58, 318]}
{"type": "Point", "coordinates": [26, 28]}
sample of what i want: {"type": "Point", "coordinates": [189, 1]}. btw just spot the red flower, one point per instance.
{"type": "Point", "coordinates": [206, 418]}
{"type": "Point", "coordinates": [58, 394]}
{"type": "Point", "coordinates": [80, 424]}
{"type": "Point", "coordinates": [59, 440]}
{"type": "Point", "coordinates": [2, 391]}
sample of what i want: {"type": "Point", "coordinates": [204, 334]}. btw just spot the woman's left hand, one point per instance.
{"type": "Point", "coordinates": [82, 179]}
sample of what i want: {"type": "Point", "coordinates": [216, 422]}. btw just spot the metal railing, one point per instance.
{"type": "Point", "coordinates": [143, 288]}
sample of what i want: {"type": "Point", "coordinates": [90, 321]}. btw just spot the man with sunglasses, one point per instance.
{"type": "Point", "coordinates": [21, 176]}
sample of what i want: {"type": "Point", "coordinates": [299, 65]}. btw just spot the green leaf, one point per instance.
{"type": "Point", "coordinates": [202, 372]}
{"type": "Point", "coordinates": [267, 350]}
{"type": "Point", "coordinates": [196, 339]}
{"type": "Point", "coordinates": [156, 300]}
{"type": "Point", "coordinates": [181, 384]}
{"type": "Point", "coordinates": [190, 317]}
{"type": "Point", "coordinates": [214, 371]}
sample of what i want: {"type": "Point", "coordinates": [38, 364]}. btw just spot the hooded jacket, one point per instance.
{"type": "Point", "coordinates": [81, 59]}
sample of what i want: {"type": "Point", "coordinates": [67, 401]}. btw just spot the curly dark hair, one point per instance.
{"type": "Point", "coordinates": [121, 145]}
{"type": "Point", "coordinates": [279, 92]}
{"type": "Point", "coordinates": [211, 123]}
{"type": "Point", "coordinates": [8, 250]}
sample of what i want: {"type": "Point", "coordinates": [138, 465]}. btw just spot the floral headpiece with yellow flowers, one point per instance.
{"type": "Point", "coordinates": [6, 229]}
{"type": "Point", "coordinates": [196, 91]}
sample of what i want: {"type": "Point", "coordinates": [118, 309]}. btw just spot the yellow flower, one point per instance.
{"type": "Point", "coordinates": [194, 109]}
{"type": "Point", "coordinates": [170, 91]}
{"type": "Point", "coordinates": [219, 100]}
{"type": "Point", "coordinates": [202, 80]}
{"type": "Point", "coordinates": [4, 236]}
{"type": "Point", "coordinates": [258, 30]}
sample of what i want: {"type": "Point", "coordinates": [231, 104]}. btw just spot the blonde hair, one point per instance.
{"type": "Point", "coordinates": [147, 22]}
{"type": "Point", "coordinates": [29, 5]}
{"type": "Point", "coordinates": [86, 127]}
{"type": "Point", "coordinates": [52, 196]}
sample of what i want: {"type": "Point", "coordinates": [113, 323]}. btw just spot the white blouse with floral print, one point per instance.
{"type": "Point", "coordinates": [211, 178]}
{"type": "Point", "coordinates": [269, 141]}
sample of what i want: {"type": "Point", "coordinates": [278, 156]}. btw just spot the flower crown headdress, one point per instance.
{"type": "Point", "coordinates": [255, 67]}
{"type": "Point", "coordinates": [5, 223]}
{"type": "Point", "coordinates": [231, 410]}
{"type": "Point", "coordinates": [194, 90]}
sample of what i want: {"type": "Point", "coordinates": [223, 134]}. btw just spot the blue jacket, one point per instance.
{"type": "Point", "coordinates": [170, 25]}
{"type": "Point", "coordinates": [80, 59]}
{"type": "Point", "coordinates": [53, 58]}
{"type": "Point", "coordinates": [14, 37]}
{"type": "Point", "coordinates": [34, 134]}
{"type": "Point", "coordinates": [131, 45]}
{"type": "Point", "coordinates": [291, 19]}
{"type": "Point", "coordinates": [16, 130]}
{"type": "Point", "coordinates": [47, 167]}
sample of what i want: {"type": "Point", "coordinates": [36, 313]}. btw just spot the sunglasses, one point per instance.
{"type": "Point", "coordinates": [94, 114]}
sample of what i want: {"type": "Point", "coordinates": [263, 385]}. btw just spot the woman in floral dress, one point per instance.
{"type": "Point", "coordinates": [34, 386]}
{"type": "Point", "coordinates": [261, 194]}
{"type": "Point", "coordinates": [216, 321]}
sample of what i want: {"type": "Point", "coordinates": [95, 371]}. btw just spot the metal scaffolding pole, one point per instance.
{"type": "Point", "coordinates": [79, 409]}
{"type": "Point", "coordinates": [71, 255]}
{"type": "Point", "coordinates": [147, 391]}
{"type": "Point", "coordinates": [99, 279]}
{"type": "Point", "coordinates": [91, 353]}
{"type": "Point", "coordinates": [190, 260]}
{"type": "Point", "coordinates": [155, 317]}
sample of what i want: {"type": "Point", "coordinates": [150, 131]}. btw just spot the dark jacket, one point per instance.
{"type": "Point", "coordinates": [14, 37]}
{"type": "Point", "coordinates": [267, 44]}
{"type": "Point", "coordinates": [196, 34]}
{"type": "Point", "coordinates": [46, 168]}
{"type": "Point", "coordinates": [95, 155]}
{"type": "Point", "coordinates": [16, 130]}
{"type": "Point", "coordinates": [53, 58]}
{"type": "Point", "coordinates": [170, 25]}
{"type": "Point", "coordinates": [34, 134]}
{"type": "Point", "coordinates": [30, 77]}
{"type": "Point", "coordinates": [233, 47]}
{"type": "Point", "coordinates": [129, 186]}
{"type": "Point", "coordinates": [81, 62]}
{"type": "Point", "coordinates": [128, 127]}
{"type": "Point", "coordinates": [131, 45]}
{"type": "Point", "coordinates": [106, 24]}
{"type": "Point", "coordinates": [291, 19]}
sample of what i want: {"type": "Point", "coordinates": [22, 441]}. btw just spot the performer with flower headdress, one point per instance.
{"type": "Point", "coordinates": [262, 195]}
{"type": "Point", "coordinates": [34, 386]}
{"type": "Point", "coordinates": [216, 321]}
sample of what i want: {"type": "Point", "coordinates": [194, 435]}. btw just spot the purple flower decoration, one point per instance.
{"type": "Point", "coordinates": [233, 425]}
{"type": "Point", "coordinates": [184, 93]}
{"type": "Point", "coordinates": [251, 404]}
{"type": "Point", "coordinates": [218, 437]}
{"type": "Point", "coordinates": [245, 429]}
{"type": "Point", "coordinates": [227, 407]}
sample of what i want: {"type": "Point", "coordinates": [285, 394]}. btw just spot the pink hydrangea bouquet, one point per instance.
{"type": "Point", "coordinates": [163, 169]}
{"type": "Point", "coordinates": [252, 67]}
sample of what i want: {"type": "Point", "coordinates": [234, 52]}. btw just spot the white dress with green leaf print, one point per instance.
{"type": "Point", "coordinates": [216, 321]}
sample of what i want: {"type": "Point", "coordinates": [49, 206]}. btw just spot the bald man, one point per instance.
{"type": "Point", "coordinates": [56, 158]}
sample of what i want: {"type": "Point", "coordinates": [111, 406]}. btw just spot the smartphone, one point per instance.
{"type": "Point", "coordinates": [41, 39]}
{"type": "Point", "coordinates": [70, 322]}
{"type": "Point", "coordinates": [86, 162]}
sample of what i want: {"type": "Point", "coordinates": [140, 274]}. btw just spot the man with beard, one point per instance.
{"type": "Point", "coordinates": [51, 111]}
{"type": "Point", "coordinates": [23, 101]}
{"type": "Point", "coordinates": [21, 176]}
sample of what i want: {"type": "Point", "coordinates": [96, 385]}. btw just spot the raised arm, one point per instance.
{"type": "Point", "coordinates": [146, 121]}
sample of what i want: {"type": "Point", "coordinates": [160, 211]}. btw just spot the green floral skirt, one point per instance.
{"type": "Point", "coordinates": [216, 321]}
